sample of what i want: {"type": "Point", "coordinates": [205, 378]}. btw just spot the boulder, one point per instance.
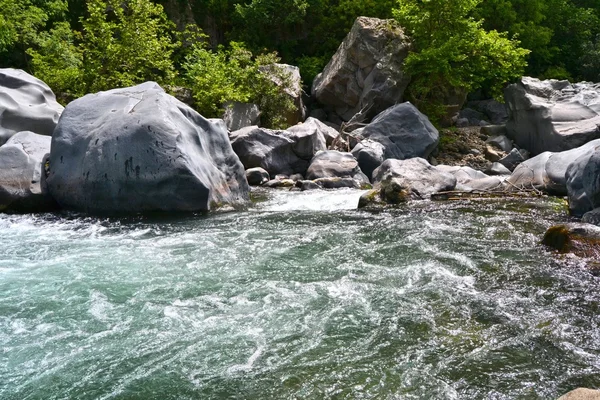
{"type": "Point", "coordinates": [512, 159]}
{"type": "Point", "coordinates": [403, 131]}
{"type": "Point", "coordinates": [369, 154]}
{"type": "Point", "coordinates": [493, 110]}
{"type": "Point", "coordinates": [581, 394]}
{"type": "Point", "coordinates": [580, 239]}
{"type": "Point", "coordinates": [470, 117]}
{"type": "Point", "coordinates": [335, 164]}
{"type": "Point", "coordinates": [497, 169]}
{"type": "Point", "coordinates": [257, 176]}
{"type": "Point", "coordinates": [469, 179]}
{"type": "Point", "coordinates": [414, 176]}
{"type": "Point", "coordinates": [26, 104]}
{"type": "Point", "coordinates": [500, 142]}
{"type": "Point", "coordinates": [366, 73]}
{"type": "Point", "coordinates": [493, 130]}
{"type": "Point", "coordinates": [240, 115]}
{"type": "Point", "coordinates": [309, 137]}
{"type": "Point", "coordinates": [583, 182]}
{"type": "Point", "coordinates": [547, 171]}
{"type": "Point", "coordinates": [288, 75]}
{"type": "Point", "coordinates": [592, 217]}
{"type": "Point", "coordinates": [139, 149]}
{"type": "Point", "coordinates": [267, 149]}
{"type": "Point", "coordinates": [22, 174]}
{"type": "Point", "coordinates": [552, 115]}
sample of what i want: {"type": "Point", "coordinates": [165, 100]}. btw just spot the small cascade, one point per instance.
{"type": "Point", "coordinates": [311, 200]}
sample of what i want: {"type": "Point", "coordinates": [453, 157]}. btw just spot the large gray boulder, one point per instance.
{"type": "Point", "coordinates": [335, 164]}
{"type": "Point", "coordinates": [547, 171]}
{"type": "Point", "coordinates": [583, 182]}
{"type": "Point", "coordinates": [26, 104]}
{"type": "Point", "coordinates": [414, 175]}
{"type": "Point", "coordinates": [22, 173]}
{"type": "Point", "coordinates": [240, 115]}
{"type": "Point", "coordinates": [552, 115]}
{"type": "Point", "coordinates": [469, 179]}
{"type": "Point", "coordinates": [369, 154]}
{"type": "Point", "coordinates": [279, 152]}
{"type": "Point", "coordinates": [139, 149]}
{"type": "Point", "coordinates": [403, 131]}
{"type": "Point", "coordinates": [366, 73]}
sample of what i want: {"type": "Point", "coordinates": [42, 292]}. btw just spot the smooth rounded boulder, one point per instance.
{"type": "Point", "coordinates": [26, 104]}
{"type": "Point", "coordinates": [139, 149]}
{"type": "Point", "coordinates": [403, 131]}
{"type": "Point", "coordinates": [583, 182]}
{"type": "Point", "coordinates": [335, 164]}
{"type": "Point", "coordinates": [22, 174]}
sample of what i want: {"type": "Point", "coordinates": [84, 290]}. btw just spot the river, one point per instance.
{"type": "Point", "coordinates": [300, 297]}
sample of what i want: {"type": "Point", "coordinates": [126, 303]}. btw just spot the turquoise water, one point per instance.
{"type": "Point", "coordinates": [300, 297]}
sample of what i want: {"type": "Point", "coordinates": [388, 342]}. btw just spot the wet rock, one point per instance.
{"type": "Point", "coordinates": [580, 239]}
{"type": "Point", "coordinates": [403, 131]}
{"type": "Point", "coordinates": [240, 115]}
{"type": "Point", "coordinates": [22, 174]}
{"type": "Point", "coordinates": [369, 154]}
{"type": "Point", "coordinates": [139, 149]}
{"type": "Point", "coordinates": [552, 115]}
{"type": "Point", "coordinates": [257, 176]}
{"type": "Point", "coordinates": [366, 73]}
{"type": "Point", "coordinates": [309, 185]}
{"type": "Point", "coordinates": [26, 104]}
{"type": "Point", "coordinates": [583, 182]}
{"type": "Point", "coordinates": [339, 183]}
{"type": "Point", "coordinates": [414, 175]}
{"type": "Point", "coordinates": [280, 183]}
{"type": "Point", "coordinates": [335, 164]}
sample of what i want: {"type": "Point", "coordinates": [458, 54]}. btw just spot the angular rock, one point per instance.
{"type": "Point", "coordinates": [267, 149]}
{"type": "Point", "coordinates": [257, 176]}
{"type": "Point", "coordinates": [369, 154]}
{"type": "Point", "coordinates": [240, 115]}
{"type": "Point", "coordinates": [500, 142]}
{"type": "Point", "coordinates": [469, 179]}
{"type": "Point", "coordinates": [583, 182]}
{"type": "Point", "coordinates": [497, 169]}
{"type": "Point", "coordinates": [139, 149]}
{"type": "Point", "coordinates": [552, 115]}
{"type": "Point", "coordinates": [493, 130]}
{"type": "Point", "coordinates": [26, 104]}
{"type": "Point", "coordinates": [22, 174]}
{"type": "Point", "coordinates": [289, 75]}
{"type": "Point", "coordinates": [414, 175]}
{"type": "Point", "coordinates": [366, 73]}
{"type": "Point", "coordinates": [403, 131]}
{"type": "Point", "coordinates": [494, 111]}
{"type": "Point", "coordinates": [335, 164]}
{"type": "Point", "coordinates": [512, 159]}
{"type": "Point", "coordinates": [309, 137]}
{"type": "Point", "coordinates": [547, 171]}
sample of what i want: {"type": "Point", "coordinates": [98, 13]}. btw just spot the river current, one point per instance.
{"type": "Point", "coordinates": [300, 297]}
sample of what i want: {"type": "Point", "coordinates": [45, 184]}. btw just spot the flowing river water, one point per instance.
{"type": "Point", "coordinates": [300, 297]}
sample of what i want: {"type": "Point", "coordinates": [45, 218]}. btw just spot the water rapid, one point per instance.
{"type": "Point", "coordinates": [300, 297]}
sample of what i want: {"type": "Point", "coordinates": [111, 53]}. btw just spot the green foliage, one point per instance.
{"type": "Point", "coordinates": [234, 74]}
{"type": "Point", "coordinates": [453, 53]}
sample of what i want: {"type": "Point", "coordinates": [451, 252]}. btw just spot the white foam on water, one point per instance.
{"type": "Point", "coordinates": [312, 200]}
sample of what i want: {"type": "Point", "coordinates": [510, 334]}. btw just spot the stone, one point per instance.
{"type": "Point", "coordinates": [469, 179]}
{"type": "Point", "coordinates": [257, 176]}
{"type": "Point", "coordinates": [592, 217]}
{"type": "Point", "coordinates": [310, 137]}
{"type": "Point", "coordinates": [547, 171]}
{"type": "Point", "coordinates": [22, 174]}
{"type": "Point", "coordinates": [497, 169]}
{"type": "Point", "coordinates": [26, 104]}
{"type": "Point", "coordinates": [492, 153]}
{"type": "Point", "coordinates": [339, 183]}
{"type": "Point", "coordinates": [500, 142]}
{"type": "Point", "coordinates": [308, 185]}
{"type": "Point", "coordinates": [240, 115]}
{"type": "Point", "coordinates": [580, 239]}
{"type": "Point", "coordinates": [335, 164]}
{"type": "Point", "coordinates": [473, 117]}
{"type": "Point", "coordinates": [403, 131]}
{"type": "Point", "coordinates": [415, 175]}
{"type": "Point", "coordinates": [290, 75]}
{"type": "Point", "coordinates": [280, 183]}
{"type": "Point", "coordinates": [366, 73]}
{"type": "Point", "coordinates": [493, 130]}
{"type": "Point", "coordinates": [139, 149]}
{"type": "Point", "coordinates": [512, 159]}
{"type": "Point", "coordinates": [583, 182]}
{"type": "Point", "coordinates": [267, 149]}
{"type": "Point", "coordinates": [493, 110]}
{"type": "Point", "coordinates": [369, 154]}
{"type": "Point", "coordinates": [552, 115]}
{"type": "Point", "coordinates": [581, 394]}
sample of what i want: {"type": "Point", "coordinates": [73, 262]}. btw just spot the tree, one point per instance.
{"type": "Point", "coordinates": [453, 53]}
